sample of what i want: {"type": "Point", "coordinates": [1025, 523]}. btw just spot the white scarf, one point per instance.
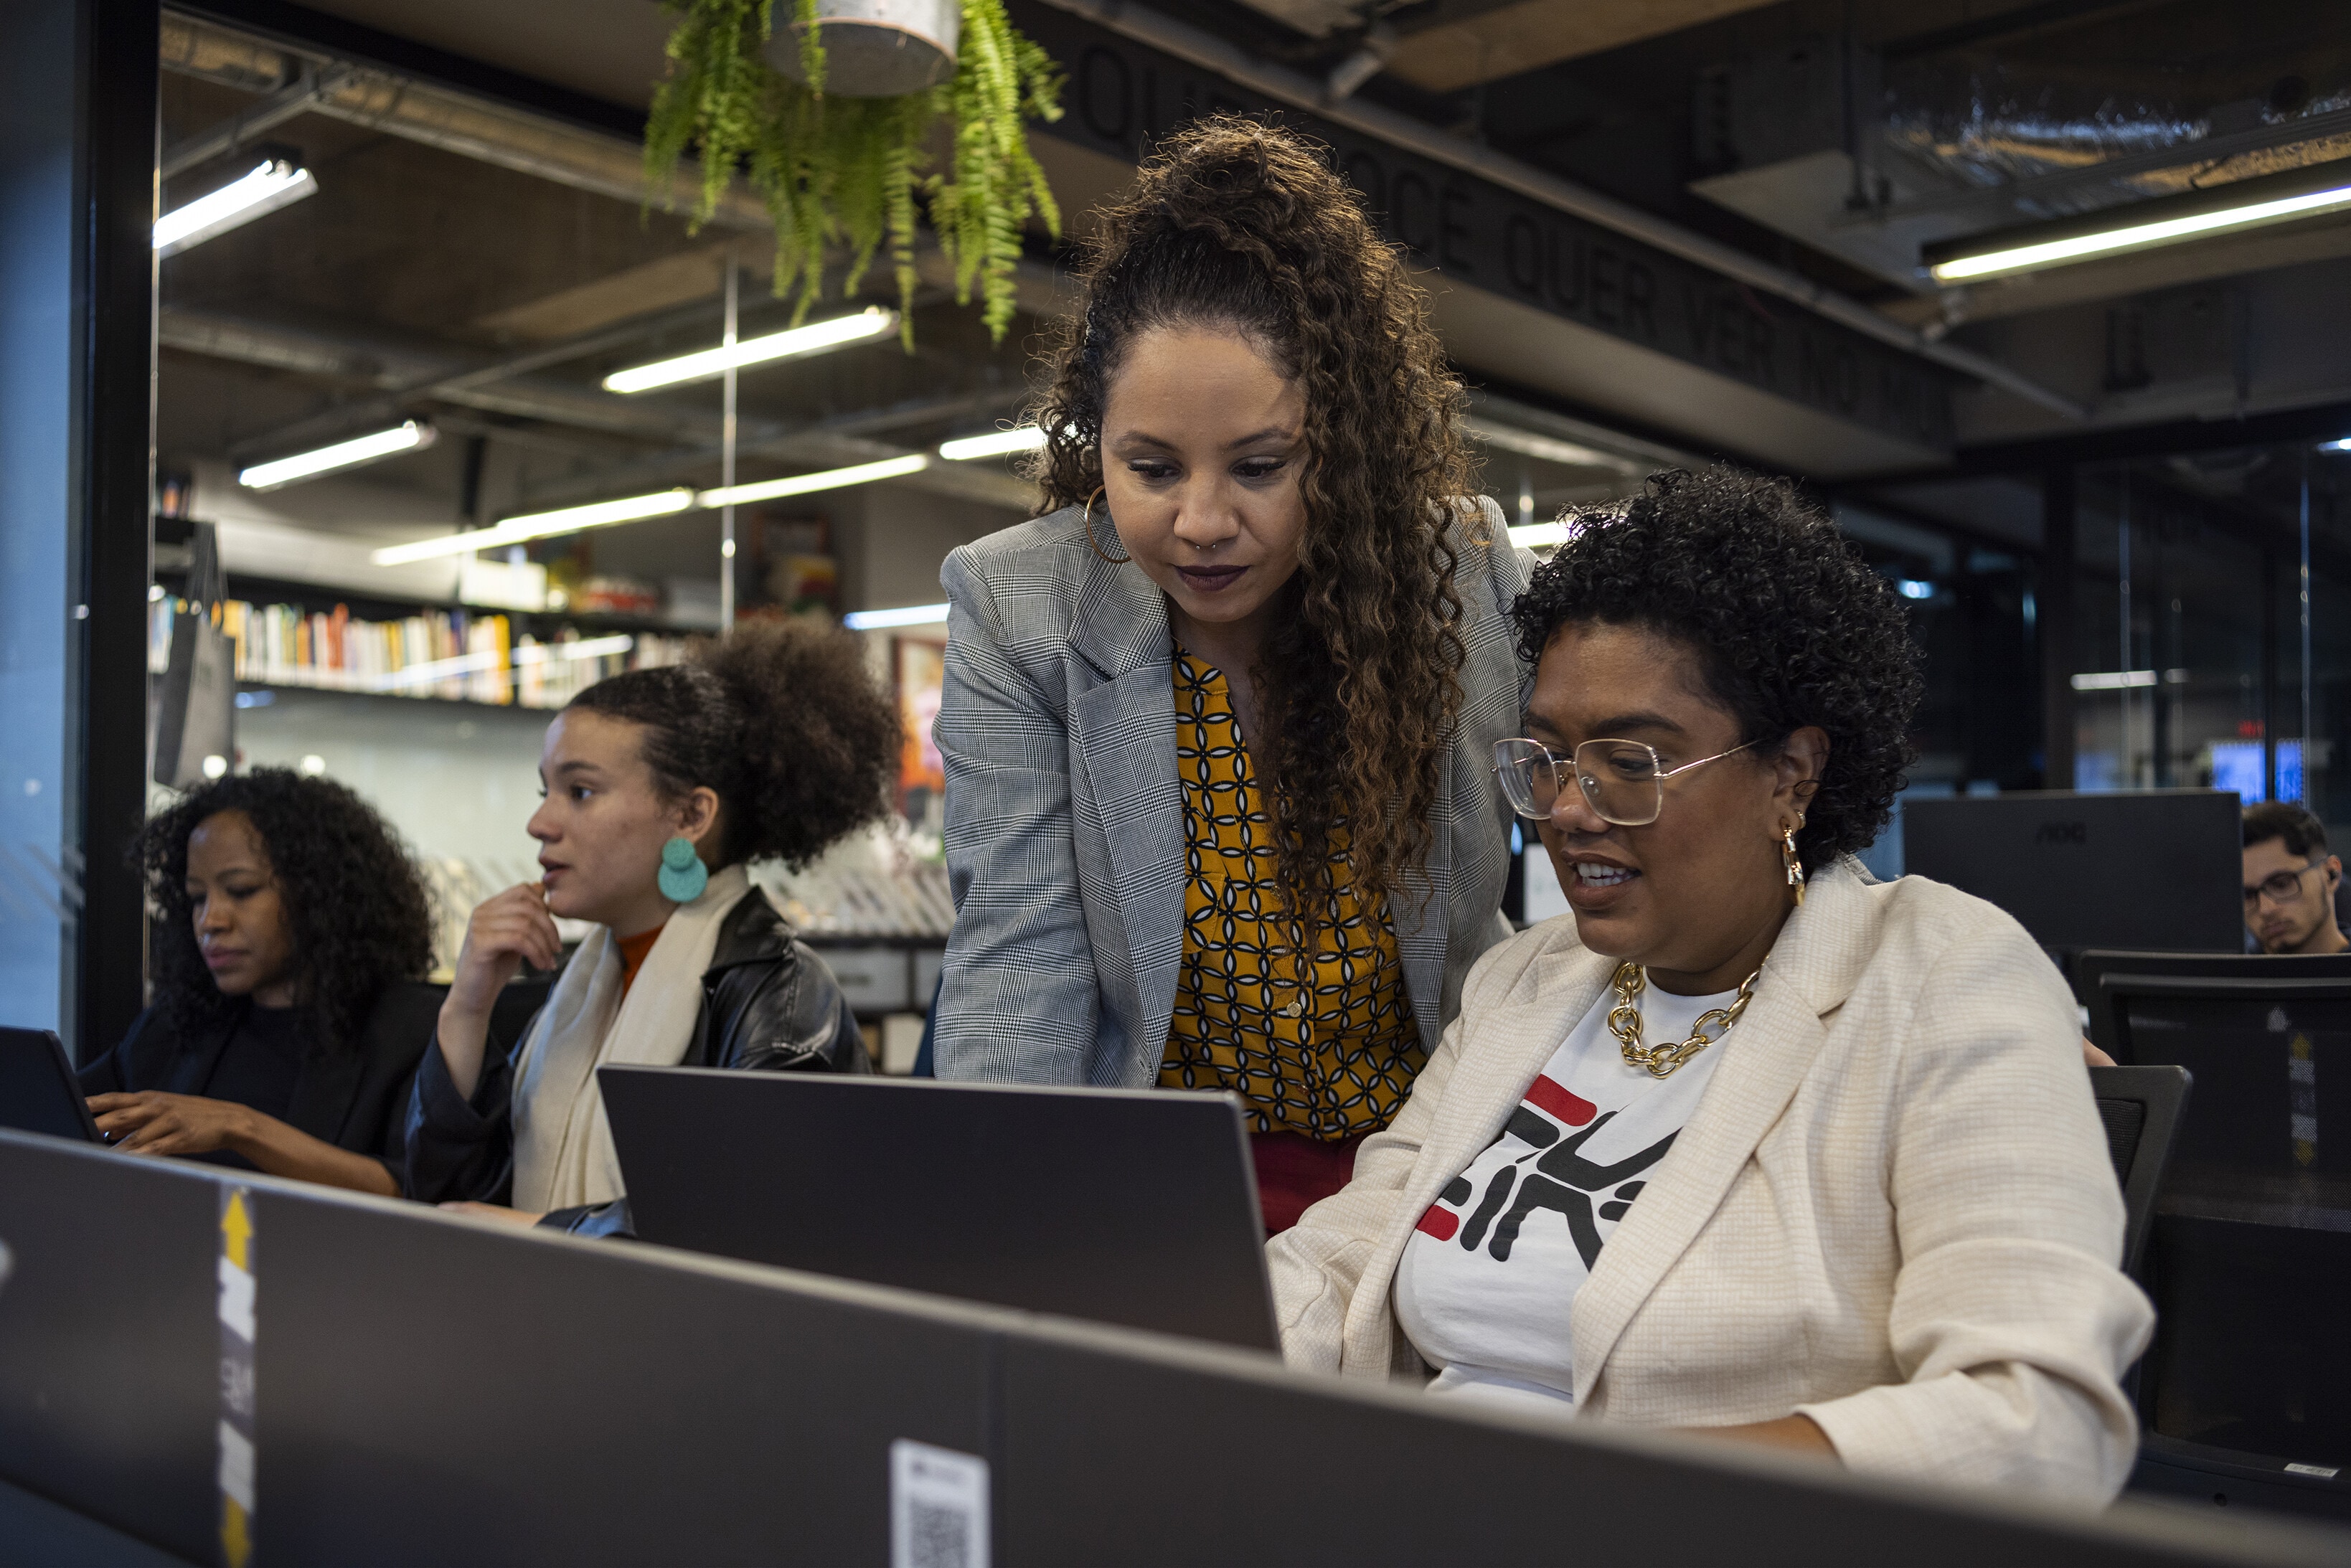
{"type": "Point", "coordinates": [563, 1144]}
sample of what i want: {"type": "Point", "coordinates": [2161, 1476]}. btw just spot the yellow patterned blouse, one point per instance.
{"type": "Point", "coordinates": [1332, 1065]}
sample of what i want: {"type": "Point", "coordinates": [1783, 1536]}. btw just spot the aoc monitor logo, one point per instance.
{"type": "Point", "coordinates": [2076, 834]}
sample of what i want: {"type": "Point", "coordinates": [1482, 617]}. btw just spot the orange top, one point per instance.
{"type": "Point", "coordinates": [633, 955]}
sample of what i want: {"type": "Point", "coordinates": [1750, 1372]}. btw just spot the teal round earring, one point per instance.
{"type": "Point", "coordinates": [683, 874]}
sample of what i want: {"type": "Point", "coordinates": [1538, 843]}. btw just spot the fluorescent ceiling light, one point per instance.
{"type": "Point", "coordinates": [906, 615]}
{"type": "Point", "coordinates": [994, 443]}
{"type": "Point", "coordinates": [409, 436]}
{"type": "Point", "coordinates": [2125, 680]}
{"type": "Point", "coordinates": [2138, 235]}
{"type": "Point", "coordinates": [2342, 446]}
{"type": "Point", "coordinates": [538, 526]}
{"type": "Point", "coordinates": [813, 339]}
{"type": "Point", "coordinates": [1539, 536]}
{"type": "Point", "coordinates": [1549, 448]}
{"type": "Point", "coordinates": [270, 186]}
{"type": "Point", "coordinates": [808, 484]}
{"type": "Point", "coordinates": [635, 508]}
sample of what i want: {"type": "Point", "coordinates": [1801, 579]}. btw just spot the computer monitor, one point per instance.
{"type": "Point", "coordinates": [2248, 1379]}
{"type": "Point", "coordinates": [1130, 1207]}
{"type": "Point", "coordinates": [2151, 869]}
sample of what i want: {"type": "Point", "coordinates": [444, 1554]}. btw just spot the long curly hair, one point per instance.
{"type": "Point", "coordinates": [353, 902]}
{"type": "Point", "coordinates": [1239, 225]}
{"type": "Point", "coordinates": [1790, 627]}
{"type": "Point", "coordinates": [781, 720]}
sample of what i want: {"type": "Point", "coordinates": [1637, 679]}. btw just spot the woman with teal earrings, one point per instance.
{"type": "Point", "coordinates": [660, 787]}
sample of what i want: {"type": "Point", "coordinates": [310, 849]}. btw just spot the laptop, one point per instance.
{"type": "Point", "coordinates": [1130, 1207]}
{"type": "Point", "coordinates": [38, 1092]}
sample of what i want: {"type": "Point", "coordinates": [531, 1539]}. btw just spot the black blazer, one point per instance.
{"type": "Point", "coordinates": [355, 1098]}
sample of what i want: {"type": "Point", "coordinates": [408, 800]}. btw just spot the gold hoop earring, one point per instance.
{"type": "Point", "coordinates": [1099, 555]}
{"type": "Point", "coordinates": [1795, 866]}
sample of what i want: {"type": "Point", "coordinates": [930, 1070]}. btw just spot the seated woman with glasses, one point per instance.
{"type": "Point", "coordinates": [1752, 1143]}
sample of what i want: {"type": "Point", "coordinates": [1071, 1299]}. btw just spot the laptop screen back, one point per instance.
{"type": "Point", "coordinates": [1137, 1207]}
{"type": "Point", "coordinates": [39, 1093]}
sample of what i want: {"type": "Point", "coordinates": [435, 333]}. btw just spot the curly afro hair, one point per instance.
{"type": "Point", "coordinates": [1790, 628]}
{"type": "Point", "coordinates": [1236, 224]}
{"type": "Point", "coordinates": [356, 907]}
{"type": "Point", "coordinates": [781, 720]}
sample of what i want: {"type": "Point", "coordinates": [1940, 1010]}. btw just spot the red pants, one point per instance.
{"type": "Point", "coordinates": [1295, 1172]}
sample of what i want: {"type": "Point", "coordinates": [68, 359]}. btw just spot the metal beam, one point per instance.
{"type": "Point", "coordinates": [294, 98]}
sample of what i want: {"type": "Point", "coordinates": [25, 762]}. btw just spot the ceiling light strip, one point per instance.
{"type": "Point", "coordinates": [708, 364]}
{"type": "Point", "coordinates": [904, 615]}
{"type": "Point", "coordinates": [809, 484]}
{"type": "Point", "coordinates": [270, 186]}
{"type": "Point", "coordinates": [994, 443]}
{"type": "Point", "coordinates": [2138, 236]}
{"type": "Point", "coordinates": [539, 526]}
{"type": "Point", "coordinates": [636, 508]}
{"type": "Point", "coordinates": [408, 436]}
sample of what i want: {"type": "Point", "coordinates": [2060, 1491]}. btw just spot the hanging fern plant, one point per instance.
{"type": "Point", "coordinates": [856, 171]}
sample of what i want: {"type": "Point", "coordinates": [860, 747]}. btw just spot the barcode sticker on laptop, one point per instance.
{"type": "Point", "coordinates": [2323, 1472]}
{"type": "Point", "coordinates": [938, 1506]}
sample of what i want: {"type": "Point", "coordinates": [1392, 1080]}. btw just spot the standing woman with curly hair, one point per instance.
{"type": "Point", "coordinates": [292, 935]}
{"type": "Point", "coordinates": [662, 787]}
{"type": "Point", "coordinates": [1216, 728]}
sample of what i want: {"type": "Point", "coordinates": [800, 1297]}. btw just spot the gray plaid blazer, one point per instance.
{"type": "Point", "coordinates": [1065, 820]}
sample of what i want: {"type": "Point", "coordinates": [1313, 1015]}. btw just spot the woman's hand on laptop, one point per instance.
{"type": "Point", "coordinates": [152, 1122]}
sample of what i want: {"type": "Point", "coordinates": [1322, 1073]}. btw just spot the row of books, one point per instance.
{"type": "Point", "coordinates": [453, 655]}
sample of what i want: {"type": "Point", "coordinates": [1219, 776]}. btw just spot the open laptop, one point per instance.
{"type": "Point", "coordinates": [1131, 1206]}
{"type": "Point", "coordinates": [38, 1092]}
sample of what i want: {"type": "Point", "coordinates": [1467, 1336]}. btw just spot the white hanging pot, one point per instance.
{"type": "Point", "coordinates": [876, 48]}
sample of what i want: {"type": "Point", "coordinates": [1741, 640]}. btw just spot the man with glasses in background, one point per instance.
{"type": "Point", "coordinates": [2290, 881]}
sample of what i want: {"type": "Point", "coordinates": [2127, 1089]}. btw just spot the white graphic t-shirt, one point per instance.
{"type": "Point", "coordinates": [1484, 1284]}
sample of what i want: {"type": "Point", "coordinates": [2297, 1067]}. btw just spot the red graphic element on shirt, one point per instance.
{"type": "Point", "coordinates": [1440, 1221]}
{"type": "Point", "coordinates": [1550, 1094]}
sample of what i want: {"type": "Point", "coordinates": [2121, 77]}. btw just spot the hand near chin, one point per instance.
{"type": "Point", "coordinates": [505, 931]}
{"type": "Point", "coordinates": [152, 1122]}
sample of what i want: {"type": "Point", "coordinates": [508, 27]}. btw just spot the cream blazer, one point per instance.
{"type": "Point", "coordinates": [1893, 1211]}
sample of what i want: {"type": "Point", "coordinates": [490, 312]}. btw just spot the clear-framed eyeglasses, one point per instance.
{"type": "Point", "coordinates": [1622, 781]}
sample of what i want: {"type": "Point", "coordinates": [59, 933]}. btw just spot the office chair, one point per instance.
{"type": "Point", "coordinates": [2141, 1109]}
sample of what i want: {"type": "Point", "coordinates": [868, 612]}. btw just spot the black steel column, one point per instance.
{"type": "Point", "coordinates": [78, 124]}
{"type": "Point", "coordinates": [2053, 620]}
{"type": "Point", "coordinates": [2269, 673]}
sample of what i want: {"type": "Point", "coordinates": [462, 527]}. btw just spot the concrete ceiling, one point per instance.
{"type": "Point", "coordinates": [609, 49]}
{"type": "Point", "coordinates": [1507, 40]}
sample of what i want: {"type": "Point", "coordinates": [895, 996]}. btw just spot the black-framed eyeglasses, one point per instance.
{"type": "Point", "coordinates": [2280, 887]}
{"type": "Point", "coordinates": [1622, 781]}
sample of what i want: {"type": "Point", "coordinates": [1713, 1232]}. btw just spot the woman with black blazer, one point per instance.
{"type": "Point", "coordinates": [287, 1016]}
{"type": "Point", "coordinates": [662, 787]}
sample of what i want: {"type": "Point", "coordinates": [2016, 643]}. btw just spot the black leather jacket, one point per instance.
{"type": "Point", "coordinates": [769, 1004]}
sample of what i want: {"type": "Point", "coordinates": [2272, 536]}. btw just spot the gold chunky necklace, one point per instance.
{"type": "Point", "coordinates": [1661, 1061]}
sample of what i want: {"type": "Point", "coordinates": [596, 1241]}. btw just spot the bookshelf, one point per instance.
{"type": "Point", "coordinates": [287, 635]}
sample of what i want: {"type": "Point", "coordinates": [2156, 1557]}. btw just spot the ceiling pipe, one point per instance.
{"type": "Point", "coordinates": [1211, 52]}
{"type": "Point", "coordinates": [296, 98]}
